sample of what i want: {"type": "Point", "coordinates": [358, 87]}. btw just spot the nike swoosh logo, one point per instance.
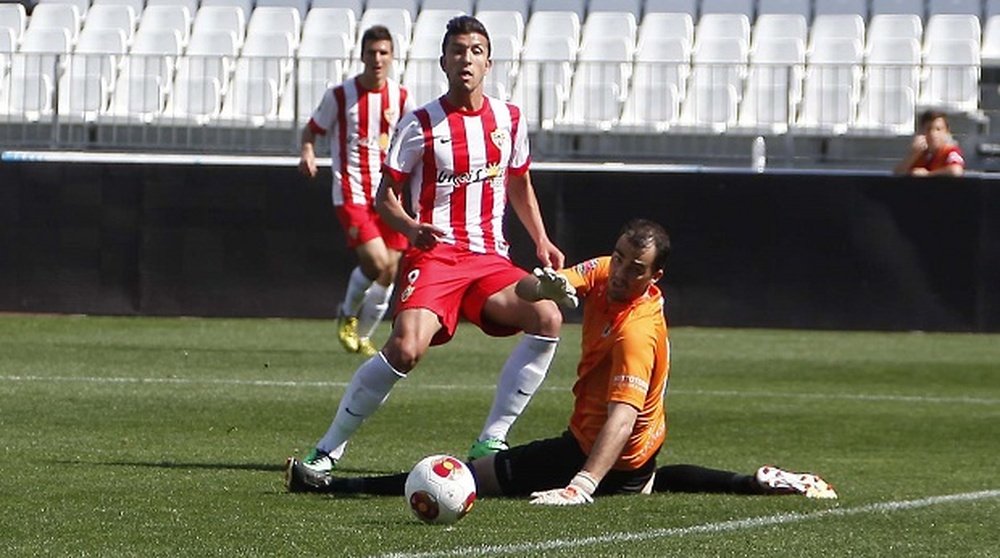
{"type": "Point", "coordinates": [522, 392]}
{"type": "Point", "coordinates": [444, 140]}
{"type": "Point", "coordinates": [352, 413]}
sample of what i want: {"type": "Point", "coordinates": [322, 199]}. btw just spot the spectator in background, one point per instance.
{"type": "Point", "coordinates": [933, 151]}
{"type": "Point", "coordinates": [360, 116]}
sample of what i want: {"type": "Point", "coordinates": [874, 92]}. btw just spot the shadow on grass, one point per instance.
{"type": "Point", "coordinates": [265, 467]}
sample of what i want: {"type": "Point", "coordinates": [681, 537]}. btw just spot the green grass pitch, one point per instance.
{"type": "Point", "coordinates": [166, 437]}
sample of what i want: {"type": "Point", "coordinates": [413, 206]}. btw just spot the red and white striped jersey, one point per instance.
{"type": "Point", "coordinates": [456, 165]}
{"type": "Point", "coordinates": [360, 125]}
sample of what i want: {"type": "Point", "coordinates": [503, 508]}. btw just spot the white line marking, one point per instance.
{"type": "Point", "coordinates": [704, 528]}
{"type": "Point", "coordinates": [486, 387]}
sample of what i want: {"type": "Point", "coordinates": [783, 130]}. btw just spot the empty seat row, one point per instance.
{"type": "Point", "coordinates": [586, 74]}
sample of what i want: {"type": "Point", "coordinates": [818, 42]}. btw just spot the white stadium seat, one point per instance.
{"type": "Point", "coordinates": [834, 26]}
{"type": "Point", "coordinates": [112, 16]}
{"type": "Point", "coordinates": [210, 54]}
{"type": "Point", "coordinates": [506, 64]}
{"type": "Point", "coordinates": [14, 18]}
{"type": "Point", "coordinates": [423, 77]}
{"type": "Point", "coordinates": [831, 86]}
{"type": "Point", "coordinates": [728, 26]}
{"type": "Point", "coordinates": [891, 81]}
{"type": "Point", "coordinates": [605, 25]}
{"type": "Point", "coordinates": [991, 42]}
{"type": "Point", "coordinates": [600, 83]}
{"type": "Point", "coordinates": [221, 18]}
{"type": "Point", "coordinates": [146, 75]}
{"type": "Point", "coordinates": [503, 23]}
{"type": "Point", "coordinates": [667, 25]}
{"type": "Point", "coordinates": [543, 83]}
{"type": "Point", "coordinates": [433, 23]}
{"type": "Point", "coordinates": [773, 84]}
{"type": "Point", "coordinates": [276, 19]}
{"type": "Point", "coordinates": [324, 60]}
{"type": "Point", "coordinates": [951, 76]}
{"type": "Point", "coordinates": [901, 26]}
{"type": "Point", "coordinates": [553, 25]}
{"type": "Point", "coordinates": [772, 26]}
{"type": "Point", "coordinates": [56, 16]}
{"type": "Point", "coordinates": [398, 21]}
{"type": "Point", "coordinates": [90, 72]}
{"type": "Point", "coordinates": [167, 18]}
{"type": "Point", "coordinates": [324, 21]}
{"type": "Point", "coordinates": [952, 27]}
{"type": "Point", "coordinates": [34, 71]}
{"type": "Point", "coordinates": [82, 6]}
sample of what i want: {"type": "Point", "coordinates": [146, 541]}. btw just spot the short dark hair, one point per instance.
{"type": "Point", "coordinates": [377, 33]}
{"type": "Point", "coordinates": [642, 233]}
{"type": "Point", "coordinates": [466, 25]}
{"type": "Point", "coordinates": [929, 116]}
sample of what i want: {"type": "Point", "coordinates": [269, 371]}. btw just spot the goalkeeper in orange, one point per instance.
{"type": "Point", "coordinates": [618, 425]}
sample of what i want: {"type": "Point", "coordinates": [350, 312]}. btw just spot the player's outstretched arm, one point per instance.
{"type": "Point", "coordinates": [522, 198]}
{"type": "Point", "coordinates": [547, 284]}
{"type": "Point", "coordinates": [607, 448]}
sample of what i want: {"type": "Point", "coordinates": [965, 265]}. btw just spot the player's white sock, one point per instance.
{"type": "Point", "coordinates": [373, 308]}
{"type": "Point", "coordinates": [357, 285]}
{"type": "Point", "coordinates": [520, 377]}
{"type": "Point", "coordinates": [369, 388]}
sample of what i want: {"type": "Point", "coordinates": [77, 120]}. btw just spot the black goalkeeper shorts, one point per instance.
{"type": "Point", "coordinates": [552, 463]}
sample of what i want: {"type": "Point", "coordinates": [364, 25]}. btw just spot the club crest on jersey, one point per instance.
{"type": "Point", "coordinates": [383, 141]}
{"type": "Point", "coordinates": [411, 278]}
{"type": "Point", "coordinates": [500, 137]}
{"type": "Point", "coordinates": [586, 267]}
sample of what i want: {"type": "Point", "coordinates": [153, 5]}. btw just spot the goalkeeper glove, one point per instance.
{"type": "Point", "coordinates": [579, 491]}
{"type": "Point", "coordinates": [555, 286]}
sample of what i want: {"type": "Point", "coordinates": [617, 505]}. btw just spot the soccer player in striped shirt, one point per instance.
{"type": "Point", "coordinates": [360, 116]}
{"type": "Point", "coordinates": [618, 425]}
{"type": "Point", "coordinates": [460, 158]}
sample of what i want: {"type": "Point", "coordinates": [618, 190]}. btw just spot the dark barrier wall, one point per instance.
{"type": "Point", "coordinates": [776, 250]}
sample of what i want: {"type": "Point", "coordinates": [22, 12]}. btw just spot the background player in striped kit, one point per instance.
{"type": "Point", "coordinates": [460, 158]}
{"type": "Point", "coordinates": [360, 116]}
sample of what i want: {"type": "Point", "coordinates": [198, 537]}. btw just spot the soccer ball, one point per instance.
{"type": "Point", "coordinates": [440, 489]}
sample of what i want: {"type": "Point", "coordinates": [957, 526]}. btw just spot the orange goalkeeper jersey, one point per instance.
{"type": "Point", "coordinates": [625, 358]}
